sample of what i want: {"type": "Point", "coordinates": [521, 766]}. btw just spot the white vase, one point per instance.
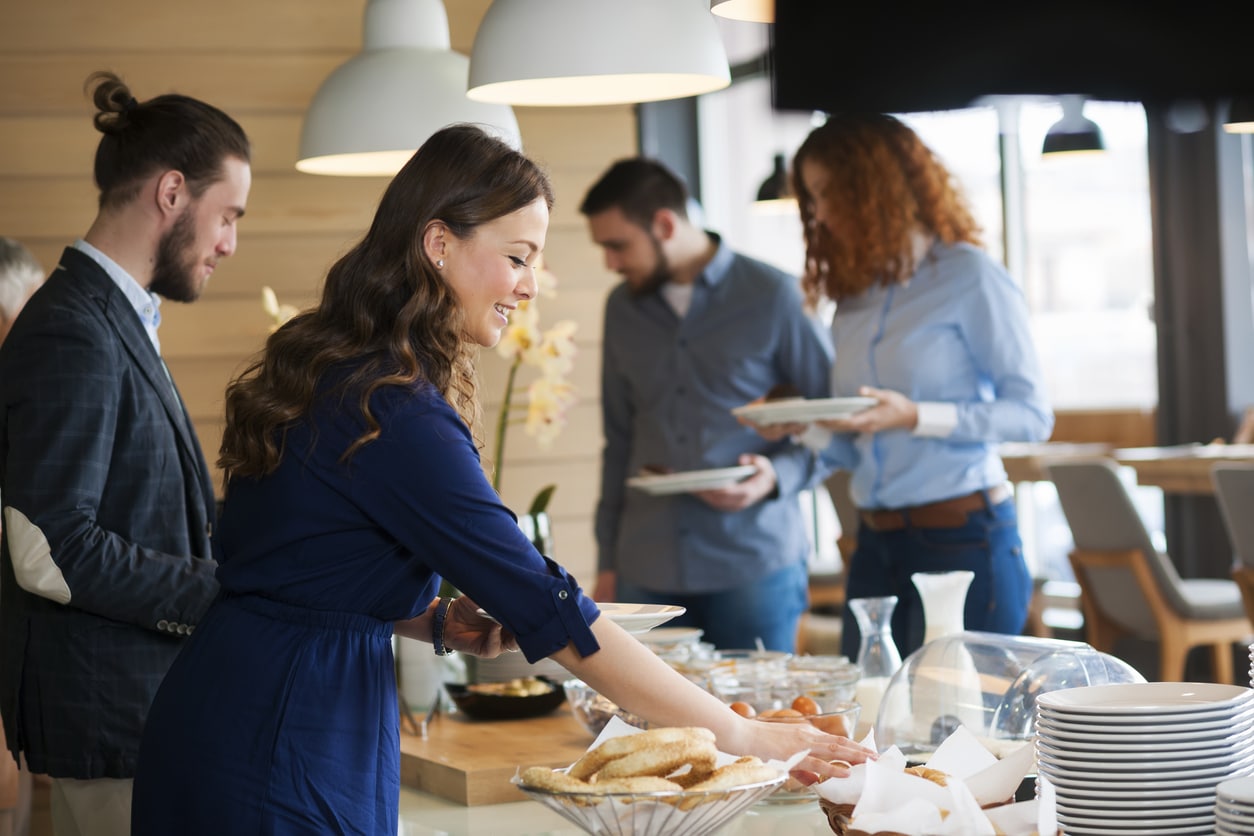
{"type": "Point", "coordinates": [946, 689]}
{"type": "Point", "coordinates": [944, 596]}
{"type": "Point", "coordinates": [421, 673]}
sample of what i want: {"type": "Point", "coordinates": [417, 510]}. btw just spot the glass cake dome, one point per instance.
{"type": "Point", "coordinates": [987, 682]}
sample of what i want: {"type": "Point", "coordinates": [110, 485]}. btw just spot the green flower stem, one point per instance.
{"type": "Point", "coordinates": [501, 423]}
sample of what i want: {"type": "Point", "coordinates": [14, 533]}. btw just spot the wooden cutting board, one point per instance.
{"type": "Point", "coordinates": [471, 762]}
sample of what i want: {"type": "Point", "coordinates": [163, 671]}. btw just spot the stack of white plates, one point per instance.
{"type": "Point", "coordinates": [1234, 807]}
{"type": "Point", "coordinates": [1143, 758]}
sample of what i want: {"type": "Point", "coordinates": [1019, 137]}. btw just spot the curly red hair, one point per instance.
{"type": "Point", "coordinates": [885, 186]}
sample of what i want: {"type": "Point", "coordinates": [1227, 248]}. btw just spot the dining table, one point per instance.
{"type": "Point", "coordinates": [1183, 468]}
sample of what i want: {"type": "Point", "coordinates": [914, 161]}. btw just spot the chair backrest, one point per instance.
{"type": "Point", "coordinates": [1103, 517]}
{"type": "Point", "coordinates": [1234, 489]}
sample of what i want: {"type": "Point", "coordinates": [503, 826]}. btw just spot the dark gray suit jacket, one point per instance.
{"type": "Point", "coordinates": [108, 503]}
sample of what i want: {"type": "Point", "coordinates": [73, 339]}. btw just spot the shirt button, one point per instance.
{"type": "Point", "coordinates": [563, 595]}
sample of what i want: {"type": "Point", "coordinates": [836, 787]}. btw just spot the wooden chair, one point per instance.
{"type": "Point", "coordinates": [1234, 490]}
{"type": "Point", "coordinates": [1129, 588]}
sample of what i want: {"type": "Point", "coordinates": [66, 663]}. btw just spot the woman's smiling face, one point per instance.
{"type": "Point", "coordinates": [494, 269]}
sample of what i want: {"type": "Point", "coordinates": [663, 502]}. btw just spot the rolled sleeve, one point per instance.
{"type": "Point", "coordinates": [569, 623]}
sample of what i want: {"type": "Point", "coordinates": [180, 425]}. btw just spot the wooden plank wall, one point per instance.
{"type": "Point", "coordinates": [262, 62]}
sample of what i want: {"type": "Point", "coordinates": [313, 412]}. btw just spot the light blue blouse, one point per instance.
{"type": "Point", "coordinates": [955, 336]}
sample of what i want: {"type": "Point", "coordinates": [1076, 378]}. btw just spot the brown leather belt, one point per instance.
{"type": "Point", "coordinates": [948, 513]}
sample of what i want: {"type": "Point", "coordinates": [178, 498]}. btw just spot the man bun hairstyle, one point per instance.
{"type": "Point", "coordinates": [168, 132]}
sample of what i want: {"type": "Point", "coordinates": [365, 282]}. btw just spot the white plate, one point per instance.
{"type": "Point", "coordinates": [660, 484]}
{"type": "Point", "coordinates": [665, 637]}
{"type": "Point", "coordinates": [640, 618]}
{"type": "Point", "coordinates": [1188, 822]}
{"type": "Point", "coordinates": [1153, 698]}
{"type": "Point", "coordinates": [1107, 830]}
{"type": "Point", "coordinates": [1174, 781]}
{"type": "Point", "coordinates": [1136, 807]}
{"type": "Point", "coordinates": [1134, 799]}
{"type": "Point", "coordinates": [1116, 727]}
{"type": "Point", "coordinates": [1125, 770]}
{"type": "Point", "coordinates": [1135, 734]}
{"type": "Point", "coordinates": [801, 410]}
{"type": "Point", "coordinates": [1238, 791]}
{"type": "Point", "coordinates": [634, 618]}
{"type": "Point", "coordinates": [1151, 751]}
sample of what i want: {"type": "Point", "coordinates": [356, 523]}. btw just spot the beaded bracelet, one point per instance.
{"type": "Point", "coordinates": [437, 627]}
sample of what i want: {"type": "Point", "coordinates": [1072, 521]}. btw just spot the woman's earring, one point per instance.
{"type": "Point", "coordinates": [440, 264]}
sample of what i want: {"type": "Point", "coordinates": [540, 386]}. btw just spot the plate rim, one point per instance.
{"type": "Point", "coordinates": [814, 404]}
{"type": "Point", "coordinates": [1065, 701]}
{"type": "Point", "coordinates": [677, 482]}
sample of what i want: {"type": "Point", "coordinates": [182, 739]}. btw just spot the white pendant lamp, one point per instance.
{"type": "Point", "coordinates": [373, 112]}
{"type": "Point", "coordinates": [755, 11]}
{"type": "Point", "coordinates": [596, 52]}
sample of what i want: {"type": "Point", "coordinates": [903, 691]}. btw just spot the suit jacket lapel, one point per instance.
{"type": "Point", "coordinates": [122, 318]}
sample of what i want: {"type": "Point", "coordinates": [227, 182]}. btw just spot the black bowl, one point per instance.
{"type": "Point", "coordinates": [487, 706]}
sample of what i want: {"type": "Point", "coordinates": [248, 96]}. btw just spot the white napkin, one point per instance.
{"type": "Point", "coordinates": [887, 798]}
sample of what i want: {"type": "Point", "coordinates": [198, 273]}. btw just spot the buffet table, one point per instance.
{"type": "Point", "coordinates": [423, 814]}
{"type": "Point", "coordinates": [457, 781]}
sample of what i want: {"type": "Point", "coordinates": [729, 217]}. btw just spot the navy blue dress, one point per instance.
{"type": "Point", "coordinates": [280, 714]}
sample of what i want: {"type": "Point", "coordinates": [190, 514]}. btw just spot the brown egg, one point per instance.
{"type": "Point", "coordinates": [743, 709]}
{"type": "Point", "coordinates": [787, 712]}
{"type": "Point", "coordinates": [805, 705]}
{"type": "Point", "coordinates": [833, 724]}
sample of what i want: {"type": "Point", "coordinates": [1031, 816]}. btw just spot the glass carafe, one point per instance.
{"type": "Point", "coordinates": [878, 657]}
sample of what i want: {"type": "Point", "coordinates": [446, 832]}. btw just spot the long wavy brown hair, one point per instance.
{"type": "Point", "coordinates": [885, 187]}
{"type": "Point", "coordinates": [386, 316]}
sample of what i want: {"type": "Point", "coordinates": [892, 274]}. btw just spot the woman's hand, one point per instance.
{"type": "Point", "coordinates": [893, 411]}
{"type": "Point", "coordinates": [466, 631]}
{"type": "Point", "coordinates": [782, 740]}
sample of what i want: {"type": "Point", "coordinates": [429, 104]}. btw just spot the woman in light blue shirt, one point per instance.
{"type": "Point", "coordinates": [937, 332]}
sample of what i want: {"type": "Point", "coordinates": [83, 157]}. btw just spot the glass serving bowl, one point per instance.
{"type": "Point", "coordinates": [762, 691]}
{"type": "Point", "coordinates": [592, 710]}
{"type": "Point", "coordinates": [841, 718]}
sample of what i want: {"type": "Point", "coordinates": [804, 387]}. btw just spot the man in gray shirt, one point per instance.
{"type": "Point", "coordinates": [693, 331]}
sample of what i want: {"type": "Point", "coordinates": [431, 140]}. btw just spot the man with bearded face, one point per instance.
{"type": "Point", "coordinates": [694, 330]}
{"type": "Point", "coordinates": [108, 506]}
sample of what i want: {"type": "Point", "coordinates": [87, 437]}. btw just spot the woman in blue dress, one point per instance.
{"type": "Point", "coordinates": [353, 486]}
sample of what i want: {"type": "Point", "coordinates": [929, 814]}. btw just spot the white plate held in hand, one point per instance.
{"type": "Point", "coordinates": [691, 480]}
{"type": "Point", "coordinates": [801, 410]}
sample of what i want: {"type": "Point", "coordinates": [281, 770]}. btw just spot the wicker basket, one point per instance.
{"type": "Point", "coordinates": [837, 815]}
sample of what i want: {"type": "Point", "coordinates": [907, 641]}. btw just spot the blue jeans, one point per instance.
{"type": "Point", "coordinates": [735, 619]}
{"type": "Point", "coordinates": [988, 545]}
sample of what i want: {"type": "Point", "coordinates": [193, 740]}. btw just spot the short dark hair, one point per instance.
{"type": "Point", "coordinates": [639, 187]}
{"type": "Point", "coordinates": [168, 132]}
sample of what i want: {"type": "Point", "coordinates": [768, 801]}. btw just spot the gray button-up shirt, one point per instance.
{"type": "Point", "coordinates": [669, 384]}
